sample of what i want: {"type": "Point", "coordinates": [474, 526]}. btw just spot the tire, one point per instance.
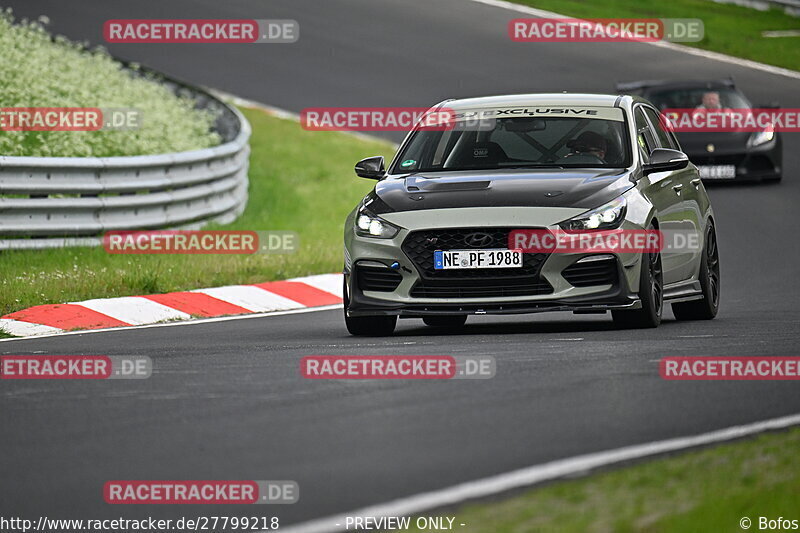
{"type": "Point", "coordinates": [651, 294]}
{"type": "Point", "coordinates": [445, 321]}
{"type": "Point", "coordinates": [367, 326]}
{"type": "Point", "coordinates": [707, 308]}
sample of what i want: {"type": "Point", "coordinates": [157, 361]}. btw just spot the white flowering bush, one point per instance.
{"type": "Point", "coordinates": [39, 71]}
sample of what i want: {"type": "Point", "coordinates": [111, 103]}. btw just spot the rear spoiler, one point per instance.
{"type": "Point", "coordinates": [632, 86]}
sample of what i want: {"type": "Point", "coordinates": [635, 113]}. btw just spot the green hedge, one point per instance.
{"type": "Point", "coordinates": [37, 70]}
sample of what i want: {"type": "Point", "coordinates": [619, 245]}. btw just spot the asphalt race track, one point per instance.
{"type": "Point", "coordinates": [227, 401]}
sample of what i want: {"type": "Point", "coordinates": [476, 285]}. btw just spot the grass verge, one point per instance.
{"type": "Point", "coordinates": [299, 181]}
{"type": "Point", "coordinates": [699, 491]}
{"type": "Point", "coordinates": [729, 29]}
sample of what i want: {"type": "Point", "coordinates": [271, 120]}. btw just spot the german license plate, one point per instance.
{"type": "Point", "coordinates": [489, 258]}
{"type": "Point", "coordinates": [717, 172]}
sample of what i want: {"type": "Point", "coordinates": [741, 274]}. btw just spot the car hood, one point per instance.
{"type": "Point", "coordinates": [721, 143]}
{"type": "Point", "coordinates": [581, 188]}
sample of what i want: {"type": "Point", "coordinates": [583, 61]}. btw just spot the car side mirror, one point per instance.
{"type": "Point", "coordinates": [664, 159]}
{"type": "Point", "coordinates": [371, 168]}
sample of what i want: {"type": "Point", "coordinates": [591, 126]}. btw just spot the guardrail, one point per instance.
{"type": "Point", "coordinates": [48, 202]}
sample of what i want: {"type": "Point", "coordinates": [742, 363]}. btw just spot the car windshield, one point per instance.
{"type": "Point", "coordinates": [701, 98]}
{"type": "Point", "coordinates": [533, 138]}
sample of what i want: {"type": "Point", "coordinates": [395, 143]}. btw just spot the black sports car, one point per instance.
{"type": "Point", "coordinates": [719, 155]}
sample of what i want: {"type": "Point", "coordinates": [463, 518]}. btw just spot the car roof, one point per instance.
{"type": "Point", "coordinates": [645, 85]}
{"type": "Point", "coordinates": [560, 99]}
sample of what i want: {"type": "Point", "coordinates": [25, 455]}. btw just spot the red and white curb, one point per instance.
{"type": "Point", "coordinates": [296, 293]}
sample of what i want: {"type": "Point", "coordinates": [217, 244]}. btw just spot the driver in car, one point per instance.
{"type": "Point", "coordinates": [588, 143]}
{"type": "Point", "coordinates": [710, 101]}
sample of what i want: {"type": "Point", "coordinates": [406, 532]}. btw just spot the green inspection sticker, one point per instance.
{"type": "Point", "coordinates": [408, 163]}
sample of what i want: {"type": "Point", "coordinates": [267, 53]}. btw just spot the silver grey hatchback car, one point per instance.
{"type": "Point", "coordinates": [435, 238]}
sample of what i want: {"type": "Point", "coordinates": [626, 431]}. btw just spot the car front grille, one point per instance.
{"type": "Point", "coordinates": [478, 288]}
{"type": "Point", "coordinates": [471, 283]}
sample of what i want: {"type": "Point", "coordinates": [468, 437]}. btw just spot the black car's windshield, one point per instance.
{"type": "Point", "coordinates": [535, 138]}
{"type": "Point", "coordinates": [698, 98]}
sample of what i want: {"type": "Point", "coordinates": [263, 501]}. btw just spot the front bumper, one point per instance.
{"type": "Point", "coordinates": [615, 297]}
{"type": "Point", "coordinates": [758, 163]}
{"type": "Point", "coordinates": [541, 287]}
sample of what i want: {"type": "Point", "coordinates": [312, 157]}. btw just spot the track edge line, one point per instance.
{"type": "Point", "coordinates": [537, 474]}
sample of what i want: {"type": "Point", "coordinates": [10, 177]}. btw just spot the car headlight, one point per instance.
{"type": "Point", "coordinates": [608, 216]}
{"type": "Point", "coordinates": [761, 137]}
{"type": "Point", "coordinates": [369, 225]}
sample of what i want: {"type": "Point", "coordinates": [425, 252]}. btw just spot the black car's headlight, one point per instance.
{"type": "Point", "coordinates": [370, 225]}
{"type": "Point", "coordinates": [608, 216]}
{"type": "Point", "coordinates": [761, 137]}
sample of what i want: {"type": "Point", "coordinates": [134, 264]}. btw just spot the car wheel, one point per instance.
{"type": "Point", "coordinates": [651, 294]}
{"type": "Point", "coordinates": [707, 308]}
{"type": "Point", "coordinates": [367, 326]}
{"type": "Point", "coordinates": [446, 321]}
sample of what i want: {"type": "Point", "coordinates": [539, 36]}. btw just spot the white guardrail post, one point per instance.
{"type": "Point", "coordinates": [48, 202]}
